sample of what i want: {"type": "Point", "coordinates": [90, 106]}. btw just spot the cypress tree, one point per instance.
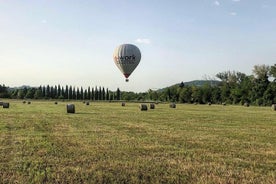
{"type": "Point", "coordinates": [103, 94]}
{"type": "Point", "coordinates": [118, 94]}
{"type": "Point", "coordinates": [93, 94]}
{"type": "Point", "coordinates": [107, 94]}
{"type": "Point", "coordinates": [89, 93]}
{"type": "Point", "coordinates": [66, 92]}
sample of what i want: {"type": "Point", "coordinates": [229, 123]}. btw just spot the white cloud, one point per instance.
{"type": "Point", "coordinates": [217, 3]}
{"type": "Point", "coordinates": [233, 13]}
{"type": "Point", "coordinates": [143, 40]}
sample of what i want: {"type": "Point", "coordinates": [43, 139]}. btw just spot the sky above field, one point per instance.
{"type": "Point", "coordinates": [72, 42]}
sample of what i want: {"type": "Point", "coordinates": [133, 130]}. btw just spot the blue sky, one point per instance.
{"type": "Point", "coordinates": [72, 42]}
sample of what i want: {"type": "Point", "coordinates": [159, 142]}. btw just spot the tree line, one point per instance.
{"type": "Point", "coordinates": [59, 92]}
{"type": "Point", "coordinates": [233, 87]}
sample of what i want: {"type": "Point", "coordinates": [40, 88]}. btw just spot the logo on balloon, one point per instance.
{"type": "Point", "coordinates": [125, 59]}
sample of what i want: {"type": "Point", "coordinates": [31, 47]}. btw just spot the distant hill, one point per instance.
{"type": "Point", "coordinates": [20, 87]}
{"type": "Point", "coordinates": [197, 83]}
{"type": "Point", "coordinates": [201, 82]}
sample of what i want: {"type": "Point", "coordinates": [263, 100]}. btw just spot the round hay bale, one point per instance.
{"type": "Point", "coordinates": [87, 103]}
{"type": "Point", "coordinates": [152, 106]}
{"type": "Point", "coordinates": [246, 104]}
{"type": "Point", "coordinates": [70, 108]}
{"type": "Point", "coordinates": [273, 107]}
{"type": "Point", "coordinates": [29, 102]}
{"type": "Point", "coordinates": [56, 103]}
{"type": "Point", "coordinates": [223, 103]}
{"type": "Point", "coordinates": [24, 102]}
{"type": "Point", "coordinates": [172, 105]}
{"type": "Point", "coordinates": [209, 103]}
{"type": "Point", "coordinates": [143, 107]}
{"type": "Point", "coordinates": [6, 105]}
{"type": "Point", "coordinates": [1, 103]}
{"type": "Point", "coordinates": [123, 104]}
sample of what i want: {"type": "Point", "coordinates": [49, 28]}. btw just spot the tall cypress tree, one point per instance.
{"type": "Point", "coordinates": [96, 93]}
{"type": "Point", "coordinates": [66, 92]}
{"type": "Point", "coordinates": [93, 94]}
{"type": "Point", "coordinates": [70, 95]}
{"type": "Point", "coordinates": [82, 94]}
{"type": "Point", "coordinates": [89, 93]}
{"type": "Point", "coordinates": [118, 94]}
{"type": "Point", "coordinates": [107, 94]}
{"type": "Point", "coordinates": [103, 94]}
{"type": "Point", "coordinates": [100, 93]}
{"type": "Point", "coordinates": [59, 91]}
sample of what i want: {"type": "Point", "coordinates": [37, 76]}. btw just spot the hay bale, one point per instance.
{"type": "Point", "coordinates": [87, 103]}
{"type": "Point", "coordinates": [29, 102]}
{"type": "Point", "coordinates": [273, 107]}
{"type": "Point", "coordinates": [172, 105]}
{"type": "Point", "coordinates": [1, 103]}
{"type": "Point", "coordinates": [223, 103]}
{"type": "Point", "coordinates": [152, 106]}
{"type": "Point", "coordinates": [6, 105]}
{"type": "Point", "coordinates": [70, 108]}
{"type": "Point", "coordinates": [123, 104]}
{"type": "Point", "coordinates": [24, 102]}
{"type": "Point", "coordinates": [56, 103]}
{"type": "Point", "coordinates": [143, 107]}
{"type": "Point", "coordinates": [209, 103]}
{"type": "Point", "coordinates": [246, 104]}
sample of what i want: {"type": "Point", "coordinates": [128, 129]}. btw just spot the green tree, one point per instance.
{"type": "Point", "coordinates": [107, 94]}
{"type": "Point", "coordinates": [118, 94]}
{"type": "Point", "coordinates": [260, 84]}
{"type": "Point", "coordinates": [185, 95]}
{"type": "Point", "coordinates": [38, 93]}
{"type": "Point", "coordinates": [30, 93]}
{"type": "Point", "coordinates": [206, 93]}
{"type": "Point", "coordinates": [272, 72]}
{"type": "Point", "coordinates": [103, 94]}
{"type": "Point", "coordinates": [89, 93]}
{"type": "Point", "coordinates": [196, 95]}
{"type": "Point", "coordinates": [22, 93]}
{"type": "Point", "coordinates": [4, 91]}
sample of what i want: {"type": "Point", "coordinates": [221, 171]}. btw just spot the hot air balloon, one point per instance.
{"type": "Point", "coordinates": [127, 58]}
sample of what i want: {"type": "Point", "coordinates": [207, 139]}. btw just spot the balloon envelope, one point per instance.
{"type": "Point", "coordinates": [127, 58]}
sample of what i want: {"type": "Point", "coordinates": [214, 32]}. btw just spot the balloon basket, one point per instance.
{"type": "Point", "coordinates": [127, 80]}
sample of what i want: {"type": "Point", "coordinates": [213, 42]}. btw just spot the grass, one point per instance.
{"type": "Point", "coordinates": [108, 143]}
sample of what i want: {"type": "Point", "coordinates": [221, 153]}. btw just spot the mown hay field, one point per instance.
{"type": "Point", "coordinates": [111, 143]}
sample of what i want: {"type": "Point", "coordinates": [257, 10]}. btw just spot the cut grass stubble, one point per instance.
{"type": "Point", "coordinates": [105, 143]}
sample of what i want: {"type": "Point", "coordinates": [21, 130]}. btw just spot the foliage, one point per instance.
{"type": "Point", "coordinates": [233, 88]}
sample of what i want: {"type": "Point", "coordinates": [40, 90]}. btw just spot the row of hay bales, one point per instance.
{"type": "Point", "coordinates": [71, 107]}
{"type": "Point", "coordinates": [144, 107]}
{"type": "Point", "coordinates": [24, 102]}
